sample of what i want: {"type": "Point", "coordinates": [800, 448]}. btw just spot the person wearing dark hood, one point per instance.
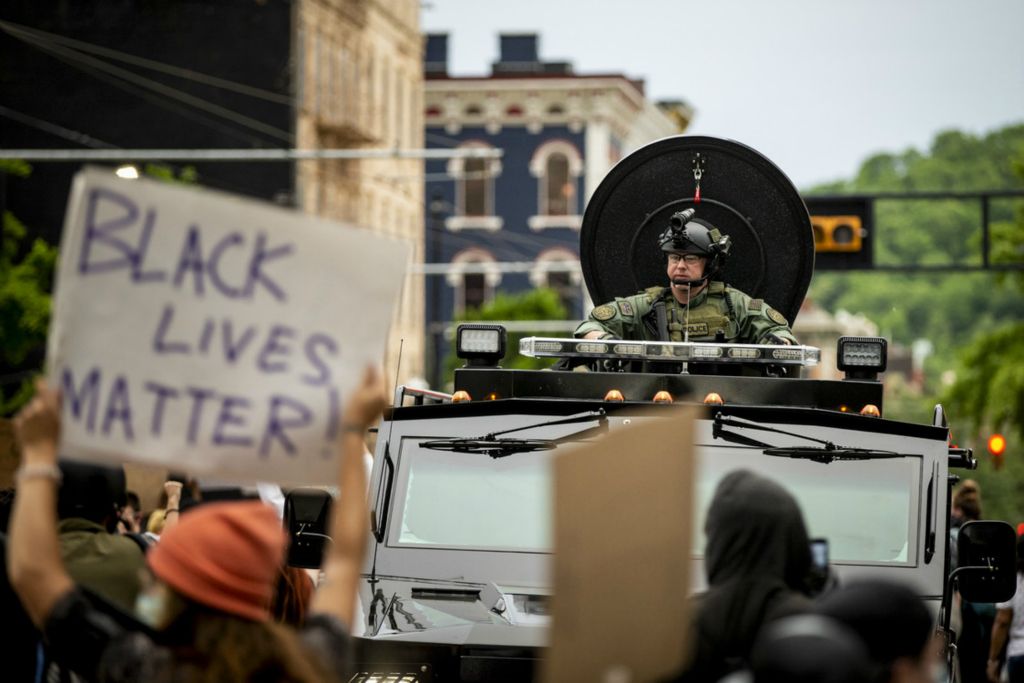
{"type": "Point", "coordinates": [757, 560]}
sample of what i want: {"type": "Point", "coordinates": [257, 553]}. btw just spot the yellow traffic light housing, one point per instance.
{"type": "Point", "coordinates": [842, 229]}
{"type": "Point", "coordinates": [843, 234]}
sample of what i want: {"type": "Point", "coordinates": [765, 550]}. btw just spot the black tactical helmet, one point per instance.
{"type": "Point", "coordinates": [688, 235]}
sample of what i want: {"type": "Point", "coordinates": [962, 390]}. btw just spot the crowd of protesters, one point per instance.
{"type": "Point", "coordinates": [95, 590]}
{"type": "Point", "coordinates": [211, 600]}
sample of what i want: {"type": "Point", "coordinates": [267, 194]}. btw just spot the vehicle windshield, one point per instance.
{"type": "Point", "coordinates": [470, 500]}
{"type": "Point", "coordinates": [865, 509]}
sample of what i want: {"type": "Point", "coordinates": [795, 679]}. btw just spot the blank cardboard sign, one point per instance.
{"type": "Point", "coordinates": [623, 510]}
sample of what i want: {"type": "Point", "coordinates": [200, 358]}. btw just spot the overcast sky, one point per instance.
{"type": "Point", "coordinates": [816, 85]}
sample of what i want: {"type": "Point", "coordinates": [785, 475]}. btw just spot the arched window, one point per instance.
{"type": "Point", "coordinates": [473, 275]}
{"type": "Point", "coordinates": [557, 165]}
{"type": "Point", "coordinates": [559, 269]}
{"type": "Point", "coordinates": [474, 191]}
{"type": "Point", "coordinates": [561, 190]}
{"type": "Point", "coordinates": [476, 188]}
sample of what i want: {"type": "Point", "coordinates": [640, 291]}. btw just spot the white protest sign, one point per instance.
{"type": "Point", "coordinates": [209, 333]}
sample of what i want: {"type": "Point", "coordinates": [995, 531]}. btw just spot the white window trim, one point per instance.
{"type": "Point", "coordinates": [538, 169]}
{"type": "Point", "coordinates": [460, 263]}
{"type": "Point", "coordinates": [538, 223]}
{"type": "Point", "coordinates": [488, 223]}
{"type": "Point", "coordinates": [540, 270]}
{"type": "Point", "coordinates": [456, 169]}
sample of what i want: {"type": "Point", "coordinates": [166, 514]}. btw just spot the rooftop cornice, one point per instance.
{"type": "Point", "coordinates": [561, 82]}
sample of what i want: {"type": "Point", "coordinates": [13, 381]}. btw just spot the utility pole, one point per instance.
{"type": "Point", "coordinates": [437, 208]}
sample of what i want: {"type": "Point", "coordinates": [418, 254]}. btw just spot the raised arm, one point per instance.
{"type": "Point", "coordinates": [350, 521]}
{"type": "Point", "coordinates": [34, 562]}
{"type": "Point", "coordinates": [172, 513]}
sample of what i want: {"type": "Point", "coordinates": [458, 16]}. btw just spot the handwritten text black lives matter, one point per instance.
{"type": "Point", "coordinates": [236, 265]}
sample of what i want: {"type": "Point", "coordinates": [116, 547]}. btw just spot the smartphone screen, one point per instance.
{"type": "Point", "coordinates": [819, 553]}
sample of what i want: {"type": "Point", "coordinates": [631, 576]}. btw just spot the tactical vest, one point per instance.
{"type": "Point", "coordinates": [705, 320]}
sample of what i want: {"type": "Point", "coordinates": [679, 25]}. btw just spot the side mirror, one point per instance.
{"type": "Point", "coordinates": [986, 561]}
{"type": "Point", "coordinates": [306, 515]}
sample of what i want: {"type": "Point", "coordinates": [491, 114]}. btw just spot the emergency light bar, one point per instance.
{"type": "Point", "coordinates": [683, 352]}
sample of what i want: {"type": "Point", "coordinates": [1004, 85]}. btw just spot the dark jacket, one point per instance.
{"type": "Point", "coordinates": [757, 559]}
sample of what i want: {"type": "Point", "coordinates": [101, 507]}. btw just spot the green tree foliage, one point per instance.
{"type": "Point", "coordinates": [974, 320]}
{"type": "Point", "coordinates": [26, 283]}
{"type": "Point", "coordinates": [988, 394]}
{"type": "Point", "coordinates": [186, 175]}
{"type": "Point", "coordinates": [26, 279]}
{"type": "Point", "coordinates": [951, 308]}
{"type": "Point", "coordinates": [538, 304]}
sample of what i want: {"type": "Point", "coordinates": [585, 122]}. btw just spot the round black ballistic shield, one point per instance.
{"type": "Point", "coordinates": [742, 193]}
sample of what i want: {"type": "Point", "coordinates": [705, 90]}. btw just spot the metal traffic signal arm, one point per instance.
{"type": "Point", "coordinates": [844, 230]}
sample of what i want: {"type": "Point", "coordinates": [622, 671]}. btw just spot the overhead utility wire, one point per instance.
{"type": "Point", "coordinates": [181, 72]}
{"type": "Point", "coordinates": [54, 129]}
{"type": "Point", "coordinates": [242, 154]}
{"type": "Point", "coordinates": [149, 83]}
{"type": "Point", "coordinates": [504, 267]}
{"type": "Point", "coordinates": [199, 117]}
{"type": "Point", "coordinates": [512, 248]}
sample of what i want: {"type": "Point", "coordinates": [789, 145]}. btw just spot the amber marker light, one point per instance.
{"type": "Point", "coordinates": [871, 410]}
{"type": "Point", "coordinates": [614, 395]}
{"type": "Point", "coordinates": [493, 396]}
{"type": "Point", "coordinates": [843, 409]}
{"type": "Point", "coordinates": [663, 397]}
{"type": "Point", "coordinates": [461, 396]}
{"type": "Point", "coordinates": [714, 399]}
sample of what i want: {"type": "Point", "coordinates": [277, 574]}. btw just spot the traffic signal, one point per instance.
{"type": "Point", "coordinates": [997, 446]}
{"type": "Point", "coordinates": [837, 233]}
{"type": "Point", "coordinates": [842, 232]}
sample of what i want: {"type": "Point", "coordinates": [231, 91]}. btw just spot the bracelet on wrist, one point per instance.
{"type": "Point", "coordinates": [170, 510]}
{"type": "Point", "coordinates": [38, 471]}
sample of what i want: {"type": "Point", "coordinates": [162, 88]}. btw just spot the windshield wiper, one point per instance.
{"type": "Point", "coordinates": [492, 445]}
{"type": "Point", "coordinates": [826, 453]}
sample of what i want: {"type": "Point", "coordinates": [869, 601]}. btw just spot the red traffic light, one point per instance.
{"type": "Point", "coordinates": [996, 444]}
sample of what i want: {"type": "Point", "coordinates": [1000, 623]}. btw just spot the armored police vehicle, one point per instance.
{"type": "Point", "coordinates": [457, 580]}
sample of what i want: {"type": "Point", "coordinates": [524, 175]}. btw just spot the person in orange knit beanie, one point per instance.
{"type": "Point", "coordinates": [213, 574]}
{"type": "Point", "coordinates": [225, 556]}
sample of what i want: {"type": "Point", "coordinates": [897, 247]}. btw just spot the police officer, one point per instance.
{"type": "Point", "coordinates": [694, 307]}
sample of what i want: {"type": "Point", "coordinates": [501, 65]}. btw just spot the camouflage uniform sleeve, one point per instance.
{"type": "Point", "coordinates": [758, 322]}
{"type": "Point", "coordinates": [615, 320]}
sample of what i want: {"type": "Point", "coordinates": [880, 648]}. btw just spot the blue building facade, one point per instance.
{"type": "Point", "coordinates": [511, 223]}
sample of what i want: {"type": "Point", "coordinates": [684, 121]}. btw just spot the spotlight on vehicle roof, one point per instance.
{"type": "Point", "coordinates": [861, 357]}
{"type": "Point", "coordinates": [481, 346]}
